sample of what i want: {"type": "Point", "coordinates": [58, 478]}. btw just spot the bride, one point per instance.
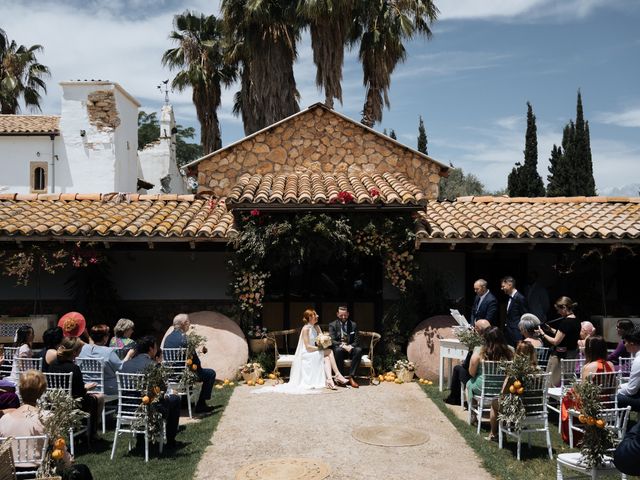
{"type": "Point", "coordinates": [311, 367]}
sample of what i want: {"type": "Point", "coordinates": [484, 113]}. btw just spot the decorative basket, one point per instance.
{"type": "Point", "coordinates": [251, 376]}
{"type": "Point", "coordinates": [405, 375]}
{"type": "Point", "coordinates": [258, 345]}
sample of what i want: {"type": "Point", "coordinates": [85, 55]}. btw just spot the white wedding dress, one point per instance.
{"type": "Point", "coordinates": [307, 370]}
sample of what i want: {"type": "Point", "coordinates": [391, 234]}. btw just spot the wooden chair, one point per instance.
{"type": "Point", "coordinates": [492, 380]}
{"type": "Point", "coordinates": [174, 360]}
{"type": "Point", "coordinates": [62, 381]}
{"type": "Point", "coordinates": [536, 420]}
{"type": "Point", "coordinates": [130, 387]}
{"type": "Point", "coordinates": [27, 451]}
{"type": "Point", "coordinates": [93, 371]}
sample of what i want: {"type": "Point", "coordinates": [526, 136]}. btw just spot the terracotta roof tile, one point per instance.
{"type": "Point", "coordinates": [26, 124]}
{"type": "Point", "coordinates": [114, 215]}
{"type": "Point", "coordinates": [316, 188]}
{"type": "Point", "coordinates": [504, 217]}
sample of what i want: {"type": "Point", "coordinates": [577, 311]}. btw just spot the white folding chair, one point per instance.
{"type": "Point", "coordinates": [130, 388]}
{"type": "Point", "coordinates": [492, 379]}
{"type": "Point", "coordinates": [542, 355]}
{"type": "Point", "coordinates": [62, 381]}
{"type": "Point", "coordinates": [569, 370]}
{"type": "Point", "coordinates": [536, 419]}
{"type": "Point", "coordinates": [93, 371]}
{"type": "Point", "coordinates": [27, 452]}
{"type": "Point", "coordinates": [624, 368]}
{"type": "Point", "coordinates": [7, 364]}
{"type": "Point", "coordinates": [174, 360]}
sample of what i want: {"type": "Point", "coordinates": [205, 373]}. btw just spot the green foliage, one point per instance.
{"type": "Point", "coordinates": [512, 409]}
{"type": "Point", "coordinates": [457, 184]}
{"type": "Point", "coordinates": [558, 177]}
{"type": "Point", "coordinates": [422, 138]}
{"type": "Point", "coordinates": [524, 180]}
{"type": "Point", "coordinates": [148, 415]}
{"type": "Point", "coordinates": [266, 359]}
{"type": "Point", "coordinates": [469, 337]}
{"type": "Point", "coordinates": [195, 342]}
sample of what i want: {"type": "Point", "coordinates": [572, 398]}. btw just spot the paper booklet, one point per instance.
{"type": "Point", "coordinates": [459, 318]}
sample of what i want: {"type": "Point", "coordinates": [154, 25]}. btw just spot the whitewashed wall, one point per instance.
{"type": "Point", "coordinates": [16, 154]}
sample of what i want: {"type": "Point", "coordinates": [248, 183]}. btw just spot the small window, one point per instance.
{"type": "Point", "coordinates": [39, 172]}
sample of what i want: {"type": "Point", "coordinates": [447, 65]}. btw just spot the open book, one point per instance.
{"type": "Point", "coordinates": [459, 318]}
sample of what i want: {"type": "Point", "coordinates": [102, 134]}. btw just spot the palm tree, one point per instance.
{"type": "Point", "coordinates": [200, 57]}
{"type": "Point", "coordinates": [20, 75]}
{"type": "Point", "coordinates": [330, 22]}
{"type": "Point", "coordinates": [383, 26]}
{"type": "Point", "coordinates": [264, 35]}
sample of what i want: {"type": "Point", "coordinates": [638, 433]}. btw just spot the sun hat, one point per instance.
{"type": "Point", "coordinates": [73, 324]}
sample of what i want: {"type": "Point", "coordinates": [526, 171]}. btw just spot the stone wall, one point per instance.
{"type": "Point", "coordinates": [319, 140]}
{"type": "Point", "coordinates": [101, 106]}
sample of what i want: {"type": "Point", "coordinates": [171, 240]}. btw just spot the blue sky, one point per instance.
{"type": "Point", "coordinates": [470, 83]}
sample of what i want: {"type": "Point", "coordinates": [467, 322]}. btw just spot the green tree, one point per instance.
{"type": "Point", "coordinates": [558, 174]}
{"type": "Point", "coordinates": [422, 138]}
{"type": "Point", "coordinates": [263, 35]}
{"type": "Point", "coordinates": [21, 76]}
{"type": "Point", "coordinates": [199, 57]}
{"type": "Point", "coordinates": [381, 29]}
{"type": "Point", "coordinates": [457, 184]}
{"type": "Point", "coordinates": [524, 179]}
{"type": "Point", "coordinates": [329, 25]}
{"type": "Point", "coordinates": [149, 131]}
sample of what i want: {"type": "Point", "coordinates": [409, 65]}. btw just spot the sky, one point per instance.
{"type": "Point", "coordinates": [470, 82]}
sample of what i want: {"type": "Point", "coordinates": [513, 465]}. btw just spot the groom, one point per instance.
{"type": "Point", "coordinates": [344, 334]}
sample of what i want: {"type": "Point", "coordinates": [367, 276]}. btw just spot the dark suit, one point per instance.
{"type": "Point", "coordinates": [627, 455]}
{"type": "Point", "coordinates": [169, 405]}
{"type": "Point", "coordinates": [177, 339]}
{"type": "Point", "coordinates": [515, 309]}
{"type": "Point", "coordinates": [488, 309]}
{"type": "Point", "coordinates": [347, 333]}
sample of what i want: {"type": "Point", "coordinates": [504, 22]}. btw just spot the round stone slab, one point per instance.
{"type": "Point", "coordinates": [285, 469]}
{"type": "Point", "coordinates": [390, 436]}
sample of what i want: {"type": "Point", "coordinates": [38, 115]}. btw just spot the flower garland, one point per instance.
{"type": "Point", "coordinates": [148, 415]}
{"type": "Point", "coordinates": [190, 373]}
{"type": "Point", "coordinates": [511, 407]}
{"type": "Point", "coordinates": [248, 289]}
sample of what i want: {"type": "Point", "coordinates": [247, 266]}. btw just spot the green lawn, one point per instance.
{"type": "Point", "coordinates": [131, 465]}
{"type": "Point", "coordinates": [503, 464]}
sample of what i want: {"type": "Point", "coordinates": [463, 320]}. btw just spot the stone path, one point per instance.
{"type": "Point", "coordinates": [254, 428]}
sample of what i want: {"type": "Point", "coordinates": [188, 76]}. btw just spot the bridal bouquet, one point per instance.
{"type": "Point", "coordinates": [323, 341]}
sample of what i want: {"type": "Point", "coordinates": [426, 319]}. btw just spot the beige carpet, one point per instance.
{"type": "Point", "coordinates": [285, 469]}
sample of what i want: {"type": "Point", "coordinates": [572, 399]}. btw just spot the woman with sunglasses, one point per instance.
{"type": "Point", "coordinates": [564, 339]}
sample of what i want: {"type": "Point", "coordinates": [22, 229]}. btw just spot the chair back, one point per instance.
{"type": "Point", "coordinates": [534, 397]}
{"type": "Point", "coordinates": [59, 381]}
{"type": "Point", "coordinates": [624, 368]}
{"type": "Point", "coordinates": [616, 419]}
{"type": "Point", "coordinates": [569, 369]}
{"type": "Point", "coordinates": [542, 355]}
{"type": "Point", "coordinates": [174, 360]}
{"type": "Point", "coordinates": [130, 389]}
{"type": "Point", "coordinates": [492, 378]}
{"type": "Point", "coordinates": [28, 363]}
{"type": "Point", "coordinates": [5, 366]}
{"type": "Point", "coordinates": [28, 451]}
{"type": "Point", "coordinates": [92, 371]}
{"type": "Point", "coordinates": [609, 383]}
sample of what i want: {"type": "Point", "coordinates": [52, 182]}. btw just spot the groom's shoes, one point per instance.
{"type": "Point", "coordinates": [353, 383]}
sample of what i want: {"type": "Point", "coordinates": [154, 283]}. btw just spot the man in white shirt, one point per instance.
{"type": "Point", "coordinates": [629, 393]}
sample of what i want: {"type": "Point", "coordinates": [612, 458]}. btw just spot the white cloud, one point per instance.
{"type": "Point", "coordinates": [626, 118]}
{"type": "Point", "coordinates": [448, 63]}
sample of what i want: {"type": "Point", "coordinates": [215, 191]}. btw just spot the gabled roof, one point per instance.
{"type": "Point", "coordinates": [319, 189]}
{"type": "Point", "coordinates": [528, 219]}
{"type": "Point", "coordinates": [29, 125]}
{"type": "Point", "coordinates": [114, 216]}
{"type": "Point", "coordinates": [445, 168]}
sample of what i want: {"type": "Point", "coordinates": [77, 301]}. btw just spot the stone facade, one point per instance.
{"type": "Point", "coordinates": [101, 107]}
{"type": "Point", "coordinates": [317, 139]}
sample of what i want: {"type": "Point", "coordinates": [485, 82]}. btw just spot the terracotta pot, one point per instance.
{"type": "Point", "coordinates": [258, 345]}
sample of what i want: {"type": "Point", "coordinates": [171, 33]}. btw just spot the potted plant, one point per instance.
{"type": "Point", "coordinates": [405, 370]}
{"type": "Point", "coordinates": [251, 371]}
{"type": "Point", "coordinates": [257, 337]}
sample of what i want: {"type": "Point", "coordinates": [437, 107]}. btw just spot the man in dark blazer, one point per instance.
{"type": "Point", "coordinates": [627, 456]}
{"type": "Point", "coordinates": [178, 339]}
{"type": "Point", "coordinates": [346, 344]}
{"type": "Point", "coordinates": [516, 307]}
{"type": "Point", "coordinates": [485, 305]}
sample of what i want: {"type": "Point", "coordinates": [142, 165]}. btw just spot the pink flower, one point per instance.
{"type": "Point", "coordinates": [255, 212]}
{"type": "Point", "coordinates": [374, 192]}
{"type": "Point", "coordinates": [345, 197]}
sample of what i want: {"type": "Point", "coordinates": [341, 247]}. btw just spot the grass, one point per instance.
{"type": "Point", "coordinates": [131, 465]}
{"type": "Point", "coordinates": [502, 464]}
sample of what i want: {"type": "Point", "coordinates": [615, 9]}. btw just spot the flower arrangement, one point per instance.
{"type": "Point", "coordinates": [148, 413]}
{"type": "Point", "coordinates": [194, 342]}
{"type": "Point", "coordinates": [468, 337]}
{"type": "Point", "coordinates": [249, 368]}
{"type": "Point", "coordinates": [597, 439]}
{"type": "Point", "coordinates": [58, 412]}
{"type": "Point", "coordinates": [399, 269]}
{"type": "Point", "coordinates": [323, 340]}
{"type": "Point", "coordinates": [257, 331]}
{"type": "Point", "coordinates": [511, 407]}
{"type": "Point", "coordinates": [248, 288]}
{"type": "Point", "coordinates": [404, 364]}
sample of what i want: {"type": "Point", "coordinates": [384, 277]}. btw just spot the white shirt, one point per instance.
{"type": "Point", "coordinates": [482, 298]}
{"type": "Point", "coordinates": [513, 294]}
{"type": "Point", "coordinates": [633, 385]}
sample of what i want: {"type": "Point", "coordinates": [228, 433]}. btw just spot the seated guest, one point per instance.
{"type": "Point", "coordinates": [146, 350]}
{"type": "Point", "coordinates": [586, 330]}
{"type": "Point", "coordinates": [629, 393]}
{"type": "Point", "coordinates": [627, 454]}
{"type": "Point", "coordinates": [24, 339]}
{"type": "Point", "coordinates": [68, 351]}
{"type": "Point", "coordinates": [623, 326]}
{"type": "Point", "coordinates": [8, 397]}
{"type": "Point", "coordinates": [528, 326]}
{"type": "Point", "coordinates": [178, 339]}
{"type": "Point", "coordinates": [112, 363]}
{"type": "Point", "coordinates": [122, 335]}
{"type": "Point", "coordinates": [460, 374]}
{"type": "Point", "coordinates": [52, 338]}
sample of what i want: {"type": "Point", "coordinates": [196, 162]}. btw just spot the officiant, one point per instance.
{"type": "Point", "coordinates": [346, 344]}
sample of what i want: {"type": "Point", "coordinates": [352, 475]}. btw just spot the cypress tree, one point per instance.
{"type": "Point", "coordinates": [524, 179]}
{"type": "Point", "coordinates": [422, 138]}
{"type": "Point", "coordinates": [392, 134]}
{"type": "Point", "coordinates": [582, 161]}
{"type": "Point", "coordinates": [557, 186]}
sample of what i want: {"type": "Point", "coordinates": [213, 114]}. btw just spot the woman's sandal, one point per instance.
{"type": "Point", "coordinates": [492, 437]}
{"type": "Point", "coordinates": [341, 382]}
{"type": "Point", "coordinates": [331, 386]}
